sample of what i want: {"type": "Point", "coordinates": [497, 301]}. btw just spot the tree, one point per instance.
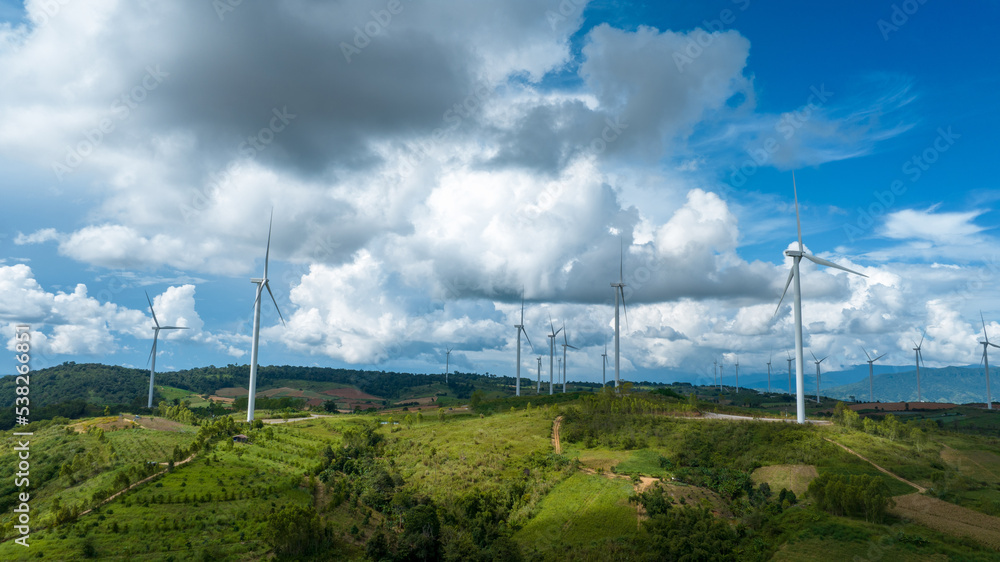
{"type": "Point", "coordinates": [297, 531]}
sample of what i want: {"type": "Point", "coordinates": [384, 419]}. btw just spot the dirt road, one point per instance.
{"type": "Point", "coordinates": [920, 489]}
{"type": "Point", "coordinates": [555, 435]}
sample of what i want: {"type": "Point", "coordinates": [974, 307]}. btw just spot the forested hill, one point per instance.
{"type": "Point", "coordinates": [958, 385]}
{"type": "Point", "coordinates": [100, 385]}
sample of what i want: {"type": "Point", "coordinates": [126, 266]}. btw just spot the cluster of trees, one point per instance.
{"type": "Point", "coordinates": [890, 427]}
{"type": "Point", "coordinates": [853, 496]}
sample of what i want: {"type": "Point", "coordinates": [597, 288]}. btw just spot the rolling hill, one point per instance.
{"type": "Point", "coordinates": [959, 385]}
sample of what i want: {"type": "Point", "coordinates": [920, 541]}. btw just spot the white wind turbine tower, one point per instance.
{"type": "Point", "coordinates": [871, 374]}
{"type": "Point", "coordinates": [604, 366]}
{"type": "Point", "coordinates": [715, 373]}
{"type": "Point", "coordinates": [262, 283]}
{"type": "Point", "coordinates": [619, 288]}
{"type": "Point", "coordinates": [797, 255]}
{"type": "Point", "coordinates": [552, 350]}
{"type": "Point", "coordinates": [721, 365]}
{"type": "Point", "coordinates": [920, 357]}
{"type": "Point", "coordinates": [565, 344]}
{"type": "Point", "coordinates": [818, 361]}
{"type": "Point", "coordinates": [520, 330]}
{"type": "Point", "coordinates": [986, 361]}
{"type": "Point", "coordinates": [447, 363]}
{"type": "Point", "coordinates": [152, 353]}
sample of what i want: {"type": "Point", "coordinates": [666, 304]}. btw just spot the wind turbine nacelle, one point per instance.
{"type": "Point", "coordinates": [256, 280]}
{"type": "Point", "coordinates": [794, 253]}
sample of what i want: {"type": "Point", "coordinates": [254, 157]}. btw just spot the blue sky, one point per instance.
{"type": "Point", "coordinates": [421, 175]}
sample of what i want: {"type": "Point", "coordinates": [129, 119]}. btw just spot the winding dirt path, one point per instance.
{"type": "Point", "coordinates": [555, 435]}
{"type": "Point", "coordinates": [920, 489]}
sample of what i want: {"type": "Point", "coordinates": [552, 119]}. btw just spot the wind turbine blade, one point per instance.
{"type": "Point", "coordinates": [791, 273]}
{"type": "Point", "coordinates": [983, 358]}
{"type": "Point", "coordinates": [155, 321]}
{"type": "Point", "coordinates": [522, 307]}
{"type": "Point", "coordinates": [813, 354]}
{"type": "Point", "coordinates": [866, 353]}
{"type": "Point", "coordinates": [268, 285]}
{"type": "Point", "coordinates": [922, 338]}
{"type": "Point", "coordinates": [621, 255]}
{"type": "Point", "coordinates": [822, 261]}
{"type": "Point", "coordinates": [155, 335]}
{"type": "Point", "coordinates": [915, 346]}
{"type": "Point", "coordinates": [525, 332]}
{"type": "Point", "coordinates": [565, 339]}
{"type": "Point", "coordinates": [552, 328]}
{"type": "Point", "coordinates": [992, 344]}
{"type": "Point", "coordinates": [624, 308]}
{"type": "Point", "coordinates": [880, 356]}
{"type": "Point", "coordinates": [984, 326]}
{"type": "Point", "coordinates": [798, 223]}
{"type": "Point", "coordinates": [824, 359]}
{"type": "Point", "coordinates": [267, 252]}
{"type": "Point", "coordinates": [174, 328]}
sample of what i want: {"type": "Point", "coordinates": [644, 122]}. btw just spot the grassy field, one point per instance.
{"type": "Point", "coordinates": [578, 511]}
{"type": "Point", "coordinates": [794, 477]}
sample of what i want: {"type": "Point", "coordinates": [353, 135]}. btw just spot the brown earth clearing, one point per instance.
{"type": "Point", "coordinates": [351, 393]}
{"type": "Point", "coordinates": [949, 518]}
{"type": "Point", "coordinates": [794, 477]}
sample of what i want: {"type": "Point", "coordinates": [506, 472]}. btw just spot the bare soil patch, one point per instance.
{"type": "Point", "coordinates": [351, 393]}
{"type": "Point", "coordinates": [232, 392]}
{"type": "Point", "coordinates": [949, 518]}
{"type": "Point", "coordinates": [794, 477]}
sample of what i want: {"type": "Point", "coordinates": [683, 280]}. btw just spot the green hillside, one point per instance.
{"type": "Point", "coordinates": [634, 476]}
{"type": "Point", "coordinates": [957, 385]}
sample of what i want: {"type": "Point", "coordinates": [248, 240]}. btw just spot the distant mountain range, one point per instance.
{"type": "Point", "coordinates": [958, 385]}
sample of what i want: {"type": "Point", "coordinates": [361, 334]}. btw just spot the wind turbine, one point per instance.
{"type": "Point", "coordinates": [769, 371]}
{"type": "Point", "coordinates": [520, 330]}
{"type": "Point", "coordinates": [818, 361]}
{"type": "Point", "coordinates": [262, 283]}
{"type": "Point", "coordinates": [986, 362]}
{"type": "Point", "coordinates": [789, 373]}
{"type": "Point", "coordinates": [565, 344]}
{"type": "Point", "coordinates": [447, 363]}
{"type": "Point", "coordinates": [920, 358]}
{"type": "Point", "coordinates": [721, 365]}
{"type": "Point", "coordinates": [538, 388]}
{"type": "Point", "coordinates": [552, 350]}
{"type": "Point", "coordinates": [737, 374]}
{"type": "Point", "coordinates": [797, 255]}
{"type": "Point", "coordinates": [715, 373]}
{"type": "Point", "coordinates": [871, 374]}
{"type": "Point", "coordinates": [619, 288]}
{"type": "Point", "coordinates": [152, 353]}
{"type": "Point", "coordinates": [604, 365]}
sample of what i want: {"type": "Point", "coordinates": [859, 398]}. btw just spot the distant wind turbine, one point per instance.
{"type": "Point", "coordinates": [520, 330]}
{"type": "Point", "coordinates": [447, 363]}
{"type": "Point", "coordinates": [818, 361]}
{"type": "Point", "coordinates": [604, 365]}
{"type": "Point", "coordinates": [619, 288]}
{"type": "Point", "coordinates": [737, 374]}
{"type": "Point", "coordinates": [920, 357]}
{"type": "Point", "coordinates": [871, 374]}
{"type": "Point", "coordinates": [715, 373]}
{"type": "Point", "coordinates": [538, 387]}
{"type": "Point", "coordinates": [721, 365]}
{"type": "Point", "coordinates": [565, 345]}
{"type": "Point", "coordinates": [152, 353]}
{"type": "Point", "coordinates": [789, 373]}
{"type": "Point", "coordinates": [769, 371]}
{"type": "Point", "coordinates": [262, 283]}
{"type": "Point", "coordinates": [552, 350]}
{"type": "Point", "coordinates": [794, 274]}
{"type": "Point", "coordinates": [986, 361]}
